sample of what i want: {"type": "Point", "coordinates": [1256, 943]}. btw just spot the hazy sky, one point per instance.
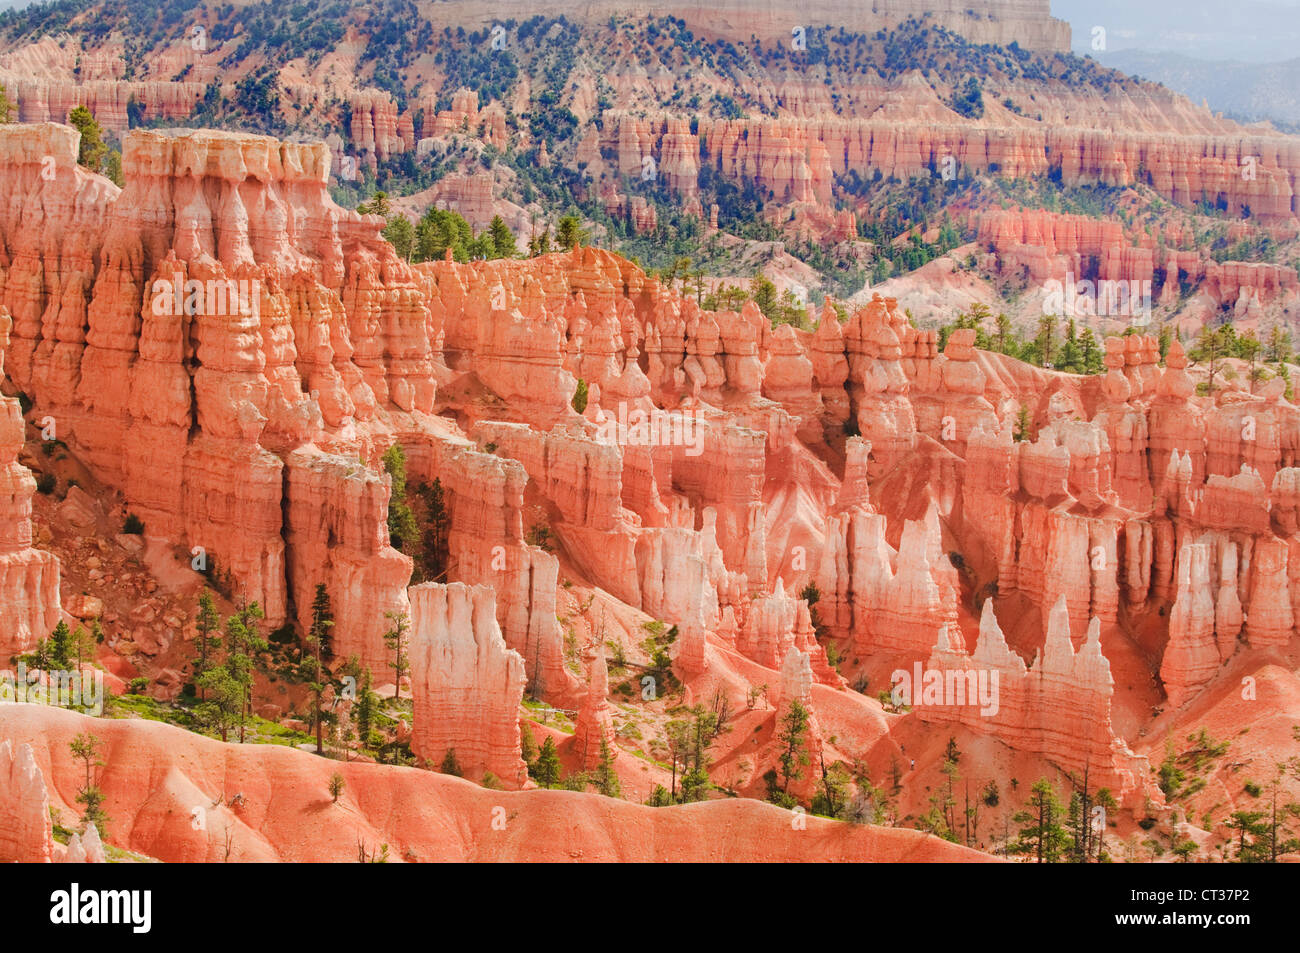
{"type": "Point", "coordinates": [1257, 31]}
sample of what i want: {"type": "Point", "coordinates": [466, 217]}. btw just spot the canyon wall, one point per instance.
{"type": "Point", "coordinates": [29, 577]}
{"type": "Point", "coordinates": [720, 473]}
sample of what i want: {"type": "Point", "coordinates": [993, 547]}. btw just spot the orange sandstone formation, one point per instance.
{"type": "Point", "coordinates": [466, 684]}
{"type": "Point", "coordinates": [29, 578]}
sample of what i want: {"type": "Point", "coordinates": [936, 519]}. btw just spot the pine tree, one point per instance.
{"type": "Point", "coordinates": [546, 769]}
{"type": "Point", "coordinates": [606, 778]}
{"type": "Point", "coordinates": [1022, 424]}
{"type": "Point", "coordinates": [318, 639]}
{"type": "Point", "coordinates": [437, 524]}
{"type": "Point", "coordinates": [677, 735]}
{"type": "Point", "coordinates": [81, 648]}
{"type": "Point", "coordinates": [403, 531]}
{"type": "Point", "coordinates": [527, 747]}
{"type": "Point", "coordinates": [400, 233]}
{"type": "Point", "coordinates": [1042, 834]}
{"type": "Point", "coordinates": [449, 763]}
{"type": "Point", "coordinates": [579, 402]}
{"type": "Point", "coordinates": [223, 700]}
{"type": "Point", "coordinates": [695, 769]}
{"type": "Point", "coordinates": [1005, 338]}
{"type": "Point", "coordinates": [60, 642]}
{"type": "Point", "coordinates": [1164, 338]}
{"type": "Point", "coordinates": [569, 233]}
{"type": "Point", "coordinates": [378, 205]}
{"type": "Point", "coordinates": [207, 621]}
{"type": "Point", "coordinates": [794, 744]}
{"type": "Point", "coordinates": [1211, 347]}
{"type": "Point", "coordinates": [92, 151]}
{"type": "Point", "coordinates": [503, 240]}
{"type": "Point", "coordinates": [7, 108]}
{"type": "Point", "coordinates": [243, 643]}
{"type": "Point", "coordinates": [1046, 338]}
{"type": "Point", "coordinates": [395, 639]}
{"type": "Point", "coordinates": [1089, 354]}
{"type": "Point", "coordinates": [365, 710]}
{"type": "Point", "coordinates": [1250, 824]}
{"type": "Point", "coordinates": [85, 748]}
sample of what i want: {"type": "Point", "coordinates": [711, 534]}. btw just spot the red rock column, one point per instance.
{"type": "Point", "coordinates": [29, 578]}
{"type": "Point", "coordinates": [466, 684]}
{"type": "Point", "coordinates": [26, 833]}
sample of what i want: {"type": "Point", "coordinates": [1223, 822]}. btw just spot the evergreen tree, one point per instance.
{"type": "Point", "coordinates": [7, 108]}
{"type": "Point", "coordinates": [1281, 839]}
{"type": "Point", "coordinates": [763, 293]}
{"type": "Point", "coordinates": [1042, 834]}
{"type": "Point", "coordinates": [223, 700]}
{"type": "Point", "coordinates": [206, 621]}
{"type": "Point", "coordinates": [81, 648]}
{"type": "Point", "coordinates": [1006, 337]}
{"type": "Point", "coordinates": [60, 642]}
{"type": "Point", "coordinates": [833, 798]}
{"type": "Point", "coordinates": [606, 778]}
{"type": "Point", "coordinates": [400, 233]}
{"type": "Point", "coordinates": [580, 397]}
{"type": "Point", "coordinates": [1250, 824]}
{"type": "Point", "coordinates": [1046, 341]}
{"type": "Point", "coordinates": [546, 769]}
{"type": "Point", "coordinates": [243, 643]}
{"type": "Point", "coordinates": [1164, 338]}
{"type": "Point", "coordinates": [440, 231]}
{"type": "Point", "coordinates": [403, 530]}
{"type": "Point", "coordinates": [695, 769]}
{"type": "Point", "coordinates": [1071, 351]}
{"type": "Point", "coordinates": [322, 621]}
{"type": "Point", "coordinates": [677, 734]}
{"type": "Point", "coordinates": [1090, 355]}
{"type": "Point", "coordinates": [437, 523]}
{"type": "Point", "coordinates": [794, 744]}
{"type": "Point", "coordinates": [1023, 424]}
{"type": "Point", "coordinates": [569, 232]}
{"type": "Point", "coordinates": [503, 240]}
{"type": "Point", "coordinates": [1249, 349]}
{"type": "Point", "coordinates": [1279, 345]}
{"type": "Point", "coordinates": [1211, 347]}
{"type": "Point", "coordinates": [527, 747]}
{"type": "Point", "coordinates": [85, 748]}
{"type": "Point", "coordinates": [113, 168]}
{"type": "Point", "coordinates": [378, 205]}
{"type": "Point", "coordinates": [540, 244]}
{"type": "Point", "coordinates": [365, 710]}
{"type": "Point", "coordinates": [92, 152]}
{"type": "Point", "coordinates": [395, 640]}
{"type": "Point", "coordinates": [449, 763]}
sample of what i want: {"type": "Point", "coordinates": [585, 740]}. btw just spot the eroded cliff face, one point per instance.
{"type": "Point", "coordinates": [466, 684]}
{"type": "Point", "coordinates": [29, 577]}
{"type": "Point", "coordinates": [192, 336]}
{"type": "Point", "coordinates": [768, 492]}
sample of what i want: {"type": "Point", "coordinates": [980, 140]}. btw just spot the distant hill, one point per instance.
{"type": "Point", "coordinates": [1245, 91]}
